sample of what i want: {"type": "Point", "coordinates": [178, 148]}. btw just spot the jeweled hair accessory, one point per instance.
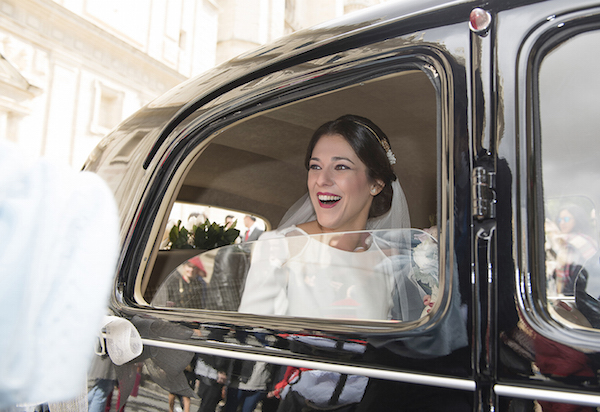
{"type": "Point", "coordinates": [384, 143]}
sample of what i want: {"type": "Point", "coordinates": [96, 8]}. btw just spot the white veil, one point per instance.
{"type": "Point", "coordinates": [397, 217]}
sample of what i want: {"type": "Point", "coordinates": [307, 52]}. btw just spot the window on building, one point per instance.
{"type": "Point", "coordinates": [108, 108]}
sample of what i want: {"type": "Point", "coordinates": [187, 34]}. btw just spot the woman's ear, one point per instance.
{"type": "Point", "coordinates": [377, 187]}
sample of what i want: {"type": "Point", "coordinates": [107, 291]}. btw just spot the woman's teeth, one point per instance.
{"type": "Point", "coordinates": [328, 198]}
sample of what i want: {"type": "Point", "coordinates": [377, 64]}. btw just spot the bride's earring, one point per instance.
{"type": "Point", "coordinates": [377, 188]}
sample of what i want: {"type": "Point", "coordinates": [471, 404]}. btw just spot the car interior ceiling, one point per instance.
{"type": "Point", "coordinates": [257, 166]}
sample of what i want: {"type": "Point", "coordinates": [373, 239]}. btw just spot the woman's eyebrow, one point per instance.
{"type": "Point", "coordinates": [337, 158]}
{"type": "Point", "coordinates": [333, 159]}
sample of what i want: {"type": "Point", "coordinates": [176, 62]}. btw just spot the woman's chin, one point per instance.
{"type": "Point", "coordinates": [325, 224]}
{"type": "Point", "coordinates": [332, 225]}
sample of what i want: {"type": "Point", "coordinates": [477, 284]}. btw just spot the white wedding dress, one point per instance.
{"type": "Point", "coordinates": [295, 274]}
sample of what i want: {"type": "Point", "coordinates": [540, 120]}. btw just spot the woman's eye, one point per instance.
{"type": "Point", "coordinates": [341, 167]}
{"type": "Point", "coordinates": [314, 167]}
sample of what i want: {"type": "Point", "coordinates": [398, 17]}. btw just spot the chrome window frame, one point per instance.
{"type": "Point", "coordinates": [183, 142]}
{"type": "Point", "coordinates": [531, 278]}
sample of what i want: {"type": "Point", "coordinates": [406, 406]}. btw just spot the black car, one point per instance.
{"type": "Point", "coordinates": [492, 111]}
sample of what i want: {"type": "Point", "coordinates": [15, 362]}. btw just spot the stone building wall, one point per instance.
{"type": "Point", "coordinates": [70, 70]}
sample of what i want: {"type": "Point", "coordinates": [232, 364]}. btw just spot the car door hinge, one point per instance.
{"type": "Point", "coordinates": [483, 193]}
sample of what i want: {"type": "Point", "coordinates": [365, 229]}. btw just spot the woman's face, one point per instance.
{"type": "Point", "coordinates": [339, 185]}
{"type": "Point", "coordinates": [566, 221]}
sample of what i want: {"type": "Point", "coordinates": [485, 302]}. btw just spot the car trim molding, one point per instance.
{"type": "Point", "coordinates": [547, 395]}
{"type": "Point", "coordinates": [408, 377]}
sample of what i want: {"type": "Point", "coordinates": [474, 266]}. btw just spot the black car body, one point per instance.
{"type": "Point", "coordinates": [491, 108]}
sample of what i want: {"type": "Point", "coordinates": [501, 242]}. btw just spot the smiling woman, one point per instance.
{"type": "Point", "coordinates": [352, 157]}
{"type": "Point", "coordinates": [342, 271]}
{"type": "Point", "coordinates": [339, 186]}
{"type": "Point", "coordinates": [349, 182]}
{"type": "Point", "coordinates": [258, 165]}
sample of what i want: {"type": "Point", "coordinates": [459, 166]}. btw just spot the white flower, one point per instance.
{"type": "Point", "coordinates": [425, 256]}
{"type": "Point", "coordinates": [391, 157]}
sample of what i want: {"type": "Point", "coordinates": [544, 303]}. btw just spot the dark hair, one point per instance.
{"type": "Point", "coordinates": [366, 139]}
{"type": "Point", "coordinates": [582, 219]}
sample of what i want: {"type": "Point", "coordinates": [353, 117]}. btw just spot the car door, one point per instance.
{"type": "Point", "coordinates": [544, 145]}
{"type": "Point", "coordinates": [240, 147]}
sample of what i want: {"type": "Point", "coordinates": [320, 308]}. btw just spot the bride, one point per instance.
{"type": "Point", "coordinates": [351, 187]}
{"type": "Point", "coordinates": [319, 263]}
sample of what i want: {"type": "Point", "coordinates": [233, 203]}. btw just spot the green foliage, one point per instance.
{"type": "Point", "coordinates": [178, 236]}
{"type": "Point", "coordinates": [206, 236]}
{"type": "Point", "coordinates": [211, 235]}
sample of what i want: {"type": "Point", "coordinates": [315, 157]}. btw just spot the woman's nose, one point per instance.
{"type": "Point", "coordinates": [324, 178]}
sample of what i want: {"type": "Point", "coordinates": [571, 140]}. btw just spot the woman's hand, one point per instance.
{"type": "Point", "coordinates": [428, 302]}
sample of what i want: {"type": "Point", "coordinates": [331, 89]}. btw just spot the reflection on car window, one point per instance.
{"type": "Point", "coordinates": [377, 275]}
{"type": "Point", "coordinates": [569, 144]}
{"type": "Point", "coordinates": [212, 280]}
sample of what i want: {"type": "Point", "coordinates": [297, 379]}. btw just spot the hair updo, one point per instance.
{"type": "Point", "coordinates": [368, 141]}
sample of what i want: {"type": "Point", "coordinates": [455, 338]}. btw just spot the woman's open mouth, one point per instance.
{"type": "Point", "coordinates": [328, 200]}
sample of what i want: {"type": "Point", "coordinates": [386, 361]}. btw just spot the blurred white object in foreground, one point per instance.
{"type": "Point", "coordinates": [58, 249]}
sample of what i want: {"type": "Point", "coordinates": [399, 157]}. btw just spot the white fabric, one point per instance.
{"type": "Point", "coordinates": [301, 276]}
{"type": "Point", "coordinates": [58, 249]}
{"type": "Point", "coordinates": [204, 369]}
{"type": "Point", "coordinates": [258, 379]}
{"type": "Point", "coordinates": [123, 341]}
{"type": "Point", "coordinates": [398, 217]}
{"type": "Point", "coordinates": [295, 274]}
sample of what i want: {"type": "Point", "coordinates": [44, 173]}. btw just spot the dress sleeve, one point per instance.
{"type": "Point", "coordinates": [265, 290]}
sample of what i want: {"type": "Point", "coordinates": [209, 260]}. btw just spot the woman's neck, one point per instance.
{"type": "Point", "coordinates": [315, 228]}
{"type": "Point", "coordinates": [350, 242]}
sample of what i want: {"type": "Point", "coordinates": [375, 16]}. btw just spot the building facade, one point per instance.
{"type": "Point", "coordinates": [71, 70]}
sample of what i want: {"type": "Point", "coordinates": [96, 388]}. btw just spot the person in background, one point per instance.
{"type": "Point", "coordinates": [229, 221]}
{"type": "Point", "coordinates": [252, 230]}
{"type": "Point", "coordinates": [575, 244]}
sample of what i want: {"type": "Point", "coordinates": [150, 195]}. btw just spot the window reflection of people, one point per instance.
{"type": "Point", "coordinates": [187, 288]}
{"type": "Point", "coordinates": [351, 187]}
{"type": "Point", "coordinates": [247, 381]}
{"type": "Point", "coordinates": [573, 245]}
{"type": "Point", "coordinates": [252, 230]}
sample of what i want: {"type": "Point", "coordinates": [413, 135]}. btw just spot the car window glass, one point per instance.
{"type": "Point", "coordinates": [389, 275]}
{"type": "Point", "coordinates": [257, 165]}
{"type": "Point", "coordinates": [190, 216]}
{"type": "Point", "coordinates": [568, 83]}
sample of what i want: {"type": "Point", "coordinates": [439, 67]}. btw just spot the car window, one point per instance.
{"type": "Point", "coordinates": [389, 275]}
{"type": "Point", "coordinates": [569, 97]}
{"type": "Point", "coordinates": [256, 164]}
